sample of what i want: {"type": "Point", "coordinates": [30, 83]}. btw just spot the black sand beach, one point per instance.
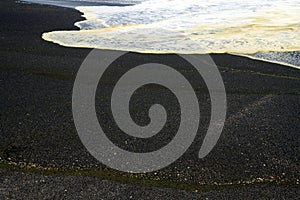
{"type": "Point", "coordinates": [41, 155]}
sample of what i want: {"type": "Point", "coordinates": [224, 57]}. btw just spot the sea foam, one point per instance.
{"type": "Point", "coordinates": [189, 26]}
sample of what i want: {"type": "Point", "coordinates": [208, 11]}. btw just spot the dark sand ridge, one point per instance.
{"type": "Point", "coordinates": [257, 154]}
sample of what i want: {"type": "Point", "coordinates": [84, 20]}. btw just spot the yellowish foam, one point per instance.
{"type": "Point", "coordinates": [263, 30]}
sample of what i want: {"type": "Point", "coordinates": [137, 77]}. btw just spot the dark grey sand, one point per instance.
{"type": "Point", "coordinates": [41, 155]}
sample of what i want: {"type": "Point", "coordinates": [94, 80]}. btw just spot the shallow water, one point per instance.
{"type": "Point", "coordinates": [267, 30]}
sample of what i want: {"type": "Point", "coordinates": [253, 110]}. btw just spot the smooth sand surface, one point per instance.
{"type": "Point", "coordinates": [41, 155]}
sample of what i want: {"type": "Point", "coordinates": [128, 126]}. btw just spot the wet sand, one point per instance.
{"type": "Point", "coordinates": [41, 154]}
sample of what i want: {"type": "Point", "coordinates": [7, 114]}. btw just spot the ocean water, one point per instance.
{"type": "Point", "coordinates": [75, 3]}
{"type": "Point", "coordinates": [259, 29]}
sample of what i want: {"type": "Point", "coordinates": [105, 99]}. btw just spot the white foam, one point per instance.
{"type": "Point", "coordinates": [188, 26]}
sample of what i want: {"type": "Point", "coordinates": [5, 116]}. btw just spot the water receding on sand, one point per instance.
{"type": "Point", "coordinates": [266, 30]}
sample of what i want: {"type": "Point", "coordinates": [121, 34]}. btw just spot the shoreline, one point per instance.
{"type": "Point", "coordinates": [260, 139]}
{"type": "Point", "coordinates": [288, 58]}
{"type": "Point", "coordinates": [285, 64]}
{"type": "Point", "coordinates": [269, 61]}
